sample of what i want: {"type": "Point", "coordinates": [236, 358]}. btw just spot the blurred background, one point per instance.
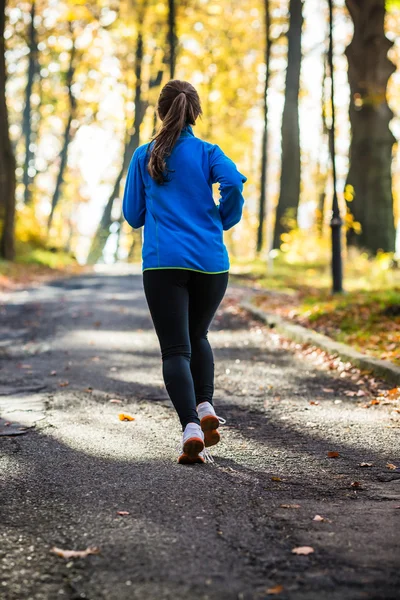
{"type": "Point", "coordinates": [79, 83]}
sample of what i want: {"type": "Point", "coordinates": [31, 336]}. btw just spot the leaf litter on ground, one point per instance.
{"type": "Point", "coordinates": [75, 553]}
{"type": "Point", "coordinates": [303, 550]}
{"type": "Point", "coordinates": [124, 417]}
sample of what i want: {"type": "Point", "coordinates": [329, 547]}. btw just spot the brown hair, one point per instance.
{"type": "Point", "coordinates": [178, 106]}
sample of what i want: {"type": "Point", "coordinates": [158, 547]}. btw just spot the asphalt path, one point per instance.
{"type": "Point", "coordinates": [76, 353]}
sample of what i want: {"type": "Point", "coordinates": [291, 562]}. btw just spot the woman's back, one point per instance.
{"type": "Point", "coordinates": [182, 224]}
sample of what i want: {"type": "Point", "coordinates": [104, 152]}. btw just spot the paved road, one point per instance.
{"type": "Point", "coordinates": [205, 532]}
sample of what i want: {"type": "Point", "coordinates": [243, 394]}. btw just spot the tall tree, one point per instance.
{"type": "Point", "coordinates": [172, 38]}
{"type": "Point", "coordinates": [290, 175]}
{"type": "Point", "coordinates": [369, 181]}
{"type": "Point", "coordinates": [264, 148]}
{"type": "Point", "coordinates": [7, 159]}
{"type": "Point", "coordinates": [68, 128]}
{"type": "Point", "coordinates": [26, 126]}
{"type": "Point", "coordinates": [321, 171]}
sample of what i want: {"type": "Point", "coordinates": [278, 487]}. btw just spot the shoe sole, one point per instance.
{"type": "Point", "coordinates": [191, 449]}
{"type": "Point", "coordinates": [209, 426]}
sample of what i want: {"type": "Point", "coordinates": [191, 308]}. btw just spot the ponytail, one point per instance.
{"type": "Point", "coordinates": [178, 106]}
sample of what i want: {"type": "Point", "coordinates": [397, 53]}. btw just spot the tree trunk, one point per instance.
{"type": "Point", "coordinates": [290, 176]}
{"type": "Point", "coordinates": [7, 159]}
{"type": "Point", "coordinates": [67, 134]}
{"type": "Point", "coordinates": [264, 149]}
{"type": "Point", "coordinates": [369, 179]}
{"type": "Point", "coordinates": [26, 127]}
{"type": "Point", "coordinates": [322, 172]}
{"type": "Point", "coordinates": [172, 37]}
{"type": "Point", "coordinates": [103, 230]}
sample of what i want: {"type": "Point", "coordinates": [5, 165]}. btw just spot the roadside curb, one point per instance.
{"type": "Point", "coordinates": [381, 368]}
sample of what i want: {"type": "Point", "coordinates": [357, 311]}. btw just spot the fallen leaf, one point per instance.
{"type": "Point", "coordinates": [290, 505]}
{"type": "Point", "coordinates": [75, 553]}
{"type": "Point", "coordinates": [122, 513]}
{"type": "Point", "coordinates": [315, 402]}
{"type": "Point", "coordinates": [366, 464]}
{"type": "Point", "coordinates": [328, 390]}
{"type": "Point", "coordinates": [391, 466]}
{"type": "Point", "coordinates": [333, 454]}
{"type": "Point", "coordinates": [277, 589]}
{"type": "Point", "coordinates": [63, 383]}
{"type": "Point", "coordinates": [276, 479]}
{"type": "Point", "coordinates": [355, 484]}
{"type": "Point", "coordinates": [303, 550]}
{"type": "Point", "coordinates": [394, 391]}
{"type": "Point", "coordinates": [123, 417]}
{"type": "Point", "coordinates": [375, 401]}
{"type": "Point", "coordinates": [115, 401]}
{"type": "Point", "coordinates": [318, 518]}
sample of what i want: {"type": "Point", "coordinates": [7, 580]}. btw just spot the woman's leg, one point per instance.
{"type": "Point", "coordinates": [168, 299]}
{"type": "Point", "coordinates": [205, 295]}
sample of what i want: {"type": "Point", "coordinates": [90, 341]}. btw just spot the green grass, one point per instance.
{"type": "Point", "coordinates": [367, 316]}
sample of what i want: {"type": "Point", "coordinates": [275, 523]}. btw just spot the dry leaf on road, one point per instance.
{"type": "Point", "coordinates": [290, 505]}
{"type": "Point", "coordinates": [122, 513]}
{"type": "Point", "coordinates": [355, 484]}
{"type": "Point", "coordinates": [277, 589]}
{"type": "Point", "coordinates": [123, 417]}
{"type": "Point", "coordinates": [75, 553]}
{"type": "Point", "coordinates": [333, 454]}
{"type": "Point", "coordinates": [304, 550]}
{"type": "Point", "coordinates": [366, 464]}
{"type": "Point", "coordinates": [115, 401]}
{"type": "Point", "coordinates": [391, 466]}
{"type": "Point", "coordinates": [276, 479]}
{"type": "Point", "coordinates": [63, 383]}
{"type": "Point", "coordinates": [318, 518]}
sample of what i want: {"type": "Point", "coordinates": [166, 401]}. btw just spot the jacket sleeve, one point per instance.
{"type": "Point", "coordinates": [133, 204]}
{"type": "Point", "coordinates": [224, 172]}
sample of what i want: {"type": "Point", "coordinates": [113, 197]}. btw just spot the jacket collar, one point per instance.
{"type": "Point", "coordinates": [187, 131]}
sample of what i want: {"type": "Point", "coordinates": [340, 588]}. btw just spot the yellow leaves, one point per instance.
{"type": "Point", "coordinates": [75, 553]}
{"type": "Point", "coordinates": [391, 466]}
{"type": "Point", "coordinates": [124, 417]}
{"type": "Point", "coordinates": [276, 479]}
{"type": "Point", "coordinates": [349, 193]}
{"type": "Point", "coordinates": [303, 550]}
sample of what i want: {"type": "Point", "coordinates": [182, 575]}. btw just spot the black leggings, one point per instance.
{"type": "Point", "coordinates": [182, 304]}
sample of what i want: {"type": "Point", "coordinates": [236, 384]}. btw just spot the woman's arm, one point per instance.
{"type": "Point", "coordinates": [134, 205]}
{"type": "Point", "coordinates": [224, 172]}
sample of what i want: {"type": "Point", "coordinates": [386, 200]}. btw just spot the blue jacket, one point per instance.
{"type": "Point", "coordinates": [182, 224]}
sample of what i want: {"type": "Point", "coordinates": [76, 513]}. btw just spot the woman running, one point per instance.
{"type": "Point", "coordinates": [185, 262]}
